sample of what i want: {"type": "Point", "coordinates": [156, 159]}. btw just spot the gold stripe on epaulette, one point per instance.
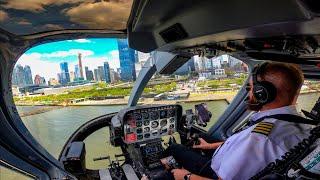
{"type": "Point", "coordinates": [263, 128]}
{"type": "Point", "coordinates": [264, 124]}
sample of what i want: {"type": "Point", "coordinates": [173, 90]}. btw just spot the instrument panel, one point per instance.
{"type": "Point", "coordinates": [148, 123]}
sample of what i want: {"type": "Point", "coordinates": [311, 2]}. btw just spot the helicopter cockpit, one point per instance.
{"type": "Point", "coordinates": [174, 31]}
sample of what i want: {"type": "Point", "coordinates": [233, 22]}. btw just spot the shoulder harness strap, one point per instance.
{"type": "Point", "coordinates": [293, 118]}
{"type": "Point", "coordinates": [282, 117]}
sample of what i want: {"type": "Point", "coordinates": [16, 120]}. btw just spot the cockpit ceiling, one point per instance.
{"type": "Point", "coordinates": [168, 25]}
{"type": "Point", "coordinates": [23, 17]}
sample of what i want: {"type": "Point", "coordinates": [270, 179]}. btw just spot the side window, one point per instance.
{"type": "Point", "coordinates": [214, 81]}
{"type": "Point", "coordinates": [309, 94]}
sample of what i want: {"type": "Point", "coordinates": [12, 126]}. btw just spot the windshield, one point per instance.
{"type": "Point", "coordinates": [212, 81]}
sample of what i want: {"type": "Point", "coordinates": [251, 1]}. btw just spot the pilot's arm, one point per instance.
{"type": "Point", "coordinates": [204, 145]}
{"type": "Point", "coordinates": [243, 156]}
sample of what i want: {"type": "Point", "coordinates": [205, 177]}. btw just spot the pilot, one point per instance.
{"type": "Point", "coordinates": [273, 89]}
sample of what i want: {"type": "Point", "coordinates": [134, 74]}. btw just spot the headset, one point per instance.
{"type": "Point", "coordinates": [263, 91]}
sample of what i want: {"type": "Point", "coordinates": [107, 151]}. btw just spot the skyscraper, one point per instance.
{"type": "Point", "coordinates": [114, 76]}
{"type": "Point", "coordinates": [80, 65]}
{"type": "Point", "coordinates": [18, 76]}
{"type": "Point", "coordinates": [89, 74]}
{"type": "Point", "coordinates": [127, 59]}
{"type": "Point", "coordinates": [101, 73]}
{"type": "Point", "coordinates": [72, 77]}
{"type": "Point", "coordinates": [59, 76]}
{"type": "Point", "coordinates": [183, 70]}
{"type": "Point", "coordinates": [27, 75]}
{"type": "Point", "coordinates": [96, 75]}
{"type": "Point", "coordinates": [65, 76]}
{"type": "Point", "coordinates": [76, 71]}
{"type": "Point", "coordinates": [53, 82]}
{"type": "Point", "coordinates": [22, 76]}
{"type": "Point", "coordinates": [107, 72]}
{"type": "Point", "coordinates": [191, 64]}
{"type": "Point", "coordinates": [200, 63]}
{"type": "Point", "coordinates": [38, 80]}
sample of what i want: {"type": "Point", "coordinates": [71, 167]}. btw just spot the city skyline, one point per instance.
{"type": "Point", "coordinates": [45, 59]}
{"type": "Point", "coordinates": [120, 58]}
{"type": "Point", "coordinates": [96, 62]}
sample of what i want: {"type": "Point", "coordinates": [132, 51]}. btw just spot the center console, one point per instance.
{"type": "Point", "coordinates": [140, 130]}
{"type": "Point", "coordinates": [151, 153]}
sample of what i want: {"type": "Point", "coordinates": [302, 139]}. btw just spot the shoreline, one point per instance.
{"type": "Point", "coordinates": [44, 109]}
{"type": "Point", "coordinates": [194, 97]}
{"type": "Point", "coordinates": [121, 104]}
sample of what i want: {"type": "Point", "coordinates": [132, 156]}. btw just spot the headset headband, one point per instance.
{"type": "Point", "coordinates": [256, 70]}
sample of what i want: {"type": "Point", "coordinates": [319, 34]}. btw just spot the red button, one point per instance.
{"type": "Point", "coordinates": [132, 137]}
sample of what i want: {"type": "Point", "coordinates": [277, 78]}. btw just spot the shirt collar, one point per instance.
{"type": "Point", "coordinates": [282, 110]}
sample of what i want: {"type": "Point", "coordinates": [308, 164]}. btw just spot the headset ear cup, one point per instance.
{"type": "Point", "coordinates": [260, 93]}
{"type": "Point", "coordinates": [272, 90]}
{"type": "Point", "coordinates": [264, 92]}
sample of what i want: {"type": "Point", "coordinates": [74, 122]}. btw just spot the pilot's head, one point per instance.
{"type": "Point", "coordinates": [274, 85]}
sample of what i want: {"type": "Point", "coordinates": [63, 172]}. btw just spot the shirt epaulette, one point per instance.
{"type": "Point", "coordinates": [263, 128]}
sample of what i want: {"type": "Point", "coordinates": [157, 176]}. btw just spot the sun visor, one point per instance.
{"type": "Point", "coordinates": [168, 63]}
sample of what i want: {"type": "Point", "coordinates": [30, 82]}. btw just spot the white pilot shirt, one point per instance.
{"type": "Point", "coordinates": [246, 153]}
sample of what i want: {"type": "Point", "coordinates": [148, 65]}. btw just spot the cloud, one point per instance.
{"type": "Point", "coordinates": [37, 5]}
{"type": "Point", "coordinates": [114, 53]}
{"type": "Point", "coordinates": [51, 27]}
{"type": "Point", "coordinates": [71, 52]}
{"type": "Point", "coordinates": [80, 41]}
{"type": "Point", "coordinates": [24, 22]}
{"type": "Point", "coordinates": [111, 57]}
{"type": "Point", "coordinates": [38, 66]}
{"type": "Point", "coordinates": [3, 16]}
{"type": "Point", "coordinates": [101, 15]}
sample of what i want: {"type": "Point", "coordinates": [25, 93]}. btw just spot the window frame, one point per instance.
{"type": "Point", "coordinates": [15, 163]}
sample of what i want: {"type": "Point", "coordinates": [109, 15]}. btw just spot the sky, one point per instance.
{"type": "Point", "coordinates": [45, 59]}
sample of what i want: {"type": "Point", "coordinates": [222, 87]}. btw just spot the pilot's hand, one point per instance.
{"type": "Point", "coordinates": [144, 177]}
{"type": "Point", "coordinates": [203, 144]}
{"type": "Point", "coordinates": [179, 173]}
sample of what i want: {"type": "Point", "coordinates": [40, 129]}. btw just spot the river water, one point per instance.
{"type": "Point", "coordinates": [52, 129]}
